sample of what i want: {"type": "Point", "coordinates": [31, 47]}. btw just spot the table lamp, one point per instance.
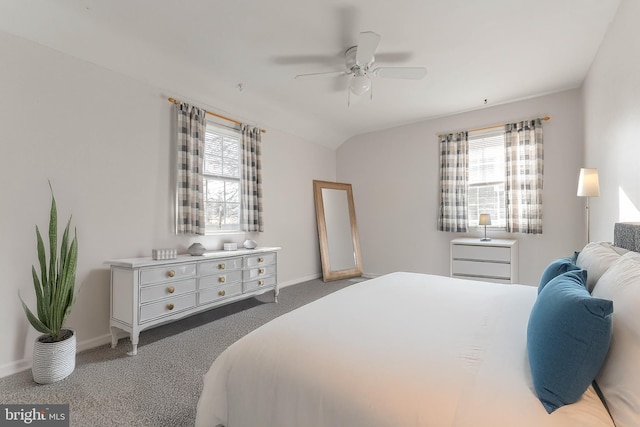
{"type": "Point", "coordinates": [485, 219]}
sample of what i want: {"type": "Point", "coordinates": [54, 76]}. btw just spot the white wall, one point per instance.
{"type": "Point", "coordinates": [611, 94]}
{"type": "Point", "coordinates": [394, 174]}
{"type": "Point", "coordinates": [105, 142]}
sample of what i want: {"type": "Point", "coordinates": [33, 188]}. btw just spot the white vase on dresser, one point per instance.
{"type": "Point", "coordinates": [146, 293]}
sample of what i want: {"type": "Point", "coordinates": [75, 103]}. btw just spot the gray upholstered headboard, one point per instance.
{"type": "Point", "coordinates": [627, 235]}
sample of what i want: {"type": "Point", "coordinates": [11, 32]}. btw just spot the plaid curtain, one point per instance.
{"type": "Point", "coordinates": [454, 175]}
{"type": "Point", "coordinates": [524, 172]}
{"type": "Point", "coordinates": [251, 179]}
{"type": "Point", "coordinates": [190, 198]}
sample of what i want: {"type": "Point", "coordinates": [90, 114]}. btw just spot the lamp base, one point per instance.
{"type": "Point", "coordinates": [486, 239]}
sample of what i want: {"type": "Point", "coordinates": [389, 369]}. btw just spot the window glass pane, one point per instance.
{"type": "Point", "coordinates": [232, 192]}
{"type": "Point", "coordinates": [214, 190]}
{"type": "Point", "coordinates": [486, 177]}
{"type": "Point", "coordinates": [212, 143]}
{"type": "Point", "coordinates": [212, 165]}
{"type": "Point", "coordinates": [222, 178]}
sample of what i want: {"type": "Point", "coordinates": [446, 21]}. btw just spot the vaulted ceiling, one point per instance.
{"type": "Point", "coordinates": [201, 51]}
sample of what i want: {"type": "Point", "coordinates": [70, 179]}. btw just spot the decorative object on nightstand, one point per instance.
{"type": "Point", "coordinates": [230, 246]}
{"type": "Point", "coordinates": [196, 249]}
{"type": "Point", "coordinates": [588, 186]}
{"type": "Point", "coordinates": [485, 219]}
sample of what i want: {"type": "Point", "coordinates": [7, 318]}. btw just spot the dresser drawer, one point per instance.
{"type": "Point", "coordinates": [152, 293]}
{"type": "Point", "coordinates": [487, 253]}
{"type": "Point", "coordinates": [260, 260]}
{"type": "Point", "coordinates": [167, 306]}
{"type": "Point", "coordinates": [218, 266]}
{"type": "Point", "coordinates": [167, 272]}
{"type": "Point", "coordinates": [267, 282]}
{"type": "Point", "coordinates": [220, 279]}
{"type": "Point", "coordinates": [222, 292]}
{"type": "Point", "coordinates": [259, 272]}
{"type": "Point", "coordinates": [481, 269]}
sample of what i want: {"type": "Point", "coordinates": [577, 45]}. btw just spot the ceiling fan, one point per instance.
{"type": "Point", "coordinates": [359, 62]}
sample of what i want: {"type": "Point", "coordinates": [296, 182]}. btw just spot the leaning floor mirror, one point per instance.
{"type": "Point", "coordinates": [337, 230]}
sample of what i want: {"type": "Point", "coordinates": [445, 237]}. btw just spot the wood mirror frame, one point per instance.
{"type": "Point", "coordinates": [337, 230]}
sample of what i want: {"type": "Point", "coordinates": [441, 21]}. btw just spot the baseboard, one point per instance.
{"type": "Point", "coordinates": [14, 367]}
{"type": "Point", "coordinates": [299, 280]}
{"type": "Point", "coordinates": [24, 364]}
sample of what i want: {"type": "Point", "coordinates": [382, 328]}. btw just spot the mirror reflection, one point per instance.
{"type": "Point", "coordinates": [337, 230]}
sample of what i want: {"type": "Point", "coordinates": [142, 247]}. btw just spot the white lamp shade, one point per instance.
{"type": "Point", "coordinates": [588, 184]}
{"type": "Point", "coordinates": [485, 219]}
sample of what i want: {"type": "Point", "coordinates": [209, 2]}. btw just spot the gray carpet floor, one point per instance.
{"type": "Point", "coordinates": [161, 385]}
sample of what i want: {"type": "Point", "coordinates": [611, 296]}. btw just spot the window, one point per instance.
{"type": "Point", "coordinates": [485, 188]}
{"type": "Point", "coordinates": [221, 179]}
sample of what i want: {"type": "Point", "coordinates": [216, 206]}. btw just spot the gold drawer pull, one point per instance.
{"type": "Point", "coordinates": [171, 273]}
{"type": "Point", "coordinates": [169, 306]}
{"type": "Point", "coordinates": [260, 259]}
{"type": "Point", "coordinates": [221, 279]}
{"type": "Point", "coordinates": [221, 293]}
{"type": "Point", "coordinates": [261, 271]}
{"type": "Point", "coordinates": [171, 289]}
{"type": "Point", "coordinates": [221, 266]}
{"type": "Point", "coordinates": [260, 282]}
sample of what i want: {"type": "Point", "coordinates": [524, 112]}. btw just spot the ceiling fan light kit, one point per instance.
{"type": "Point", "coordinates": [360, 84]}
{"type": "Point", "coordinates": [358, 61]}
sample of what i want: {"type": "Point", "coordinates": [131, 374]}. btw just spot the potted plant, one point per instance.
{"type": "Point", "coordinates": [54, 352]}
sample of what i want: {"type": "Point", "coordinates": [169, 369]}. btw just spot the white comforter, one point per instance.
{"type": "Point", "coordinates": [400, 350]}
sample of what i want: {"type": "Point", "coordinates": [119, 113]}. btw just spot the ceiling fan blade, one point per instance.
{"type": "Point", "coordinates": [367, 44]}
{"type": "Point", "coordinates": [412, 73]}
{"type": "Point", "coordinates": [325, 74]}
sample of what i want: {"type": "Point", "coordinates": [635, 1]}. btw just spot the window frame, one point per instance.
{"type": "Point", "coordinates": [472, 222]}
{"type": "Point", "coordinates": [213, 126]}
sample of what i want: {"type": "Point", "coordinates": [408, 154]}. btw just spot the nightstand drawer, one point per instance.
{"type": "Point", "coordinates": [485, 253]}
{"type": "Point", "coordinates": [481, 269]}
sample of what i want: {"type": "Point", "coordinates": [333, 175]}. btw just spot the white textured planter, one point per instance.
{"type": "Point", "coordinates": [54, 361]}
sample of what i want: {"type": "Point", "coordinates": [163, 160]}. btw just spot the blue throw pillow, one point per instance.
{"type": "Point", "coordinates": [568, 338]}
{"type": "Point", "coordinates": [555, 269]}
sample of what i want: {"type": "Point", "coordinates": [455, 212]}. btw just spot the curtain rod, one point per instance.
{"type": "Point", "coordinates": [175, 101]}
{"type": "Point", "coordinates": [492, 127]}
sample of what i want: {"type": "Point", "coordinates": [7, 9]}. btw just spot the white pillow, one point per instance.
{"type": "Point", "coordinates": [619, 377]}
{"type": "Point", "coordinates": [596, 258]}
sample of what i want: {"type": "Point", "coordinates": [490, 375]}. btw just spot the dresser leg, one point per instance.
{"type": "Point", "coordinates": [134, 344]}
{"type": "Point", "coordinates": [114, 337]}
{"type": "Point", "coordinates": [275, 295]}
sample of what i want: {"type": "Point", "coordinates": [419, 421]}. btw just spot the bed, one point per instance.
{"type": "Point", "coordinates": [408, 349]}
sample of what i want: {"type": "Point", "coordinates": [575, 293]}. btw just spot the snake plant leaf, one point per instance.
{"type": "Point", "coordinates": [35, 322]}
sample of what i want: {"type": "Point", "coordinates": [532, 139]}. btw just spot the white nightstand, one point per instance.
{"type": "Point", "coordinates": [493, 261]}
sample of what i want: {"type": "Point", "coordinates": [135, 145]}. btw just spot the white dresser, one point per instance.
{"type": "Point", "coordinates": [493, 261]}
{"type": "Point", "coordinates": [147, 292]}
